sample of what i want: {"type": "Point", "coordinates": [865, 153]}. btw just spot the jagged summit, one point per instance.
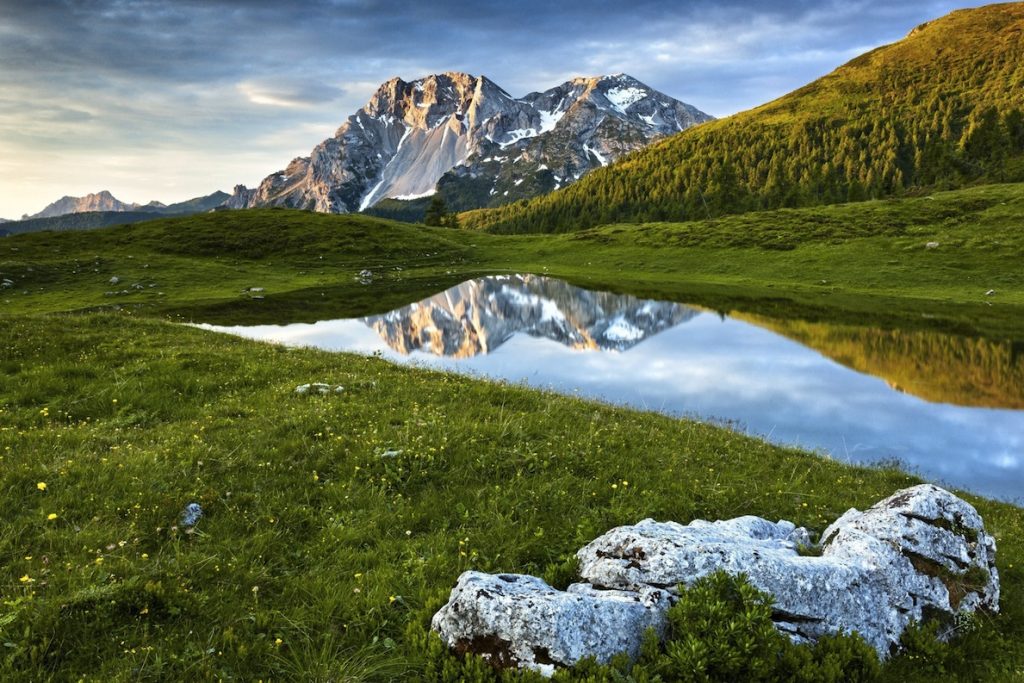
{"type": "Point", "coordinates": [465, 132]}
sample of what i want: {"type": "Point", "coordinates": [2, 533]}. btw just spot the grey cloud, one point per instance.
{"type": "Point", "coordinates": [289, 92]}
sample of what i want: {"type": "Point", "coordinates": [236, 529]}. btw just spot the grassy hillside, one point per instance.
{"type": "Point", "coordinates": [317, 559]}
{"type": "Point", "coordinates": [939, 109]}
{"type": "Point", "coordinates": [866, 263]}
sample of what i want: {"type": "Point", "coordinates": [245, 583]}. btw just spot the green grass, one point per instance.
{"type": "Point", "coordinates": [127, 417]}
{"type": "Point", "coordinates": [310, 536]}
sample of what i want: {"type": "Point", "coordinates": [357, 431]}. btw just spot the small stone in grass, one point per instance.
{"type": "Point", "coordinates": [191, 515]}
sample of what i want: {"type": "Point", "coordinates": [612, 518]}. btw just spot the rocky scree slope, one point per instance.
{"type": "Point", "coordinates": [482, 145]}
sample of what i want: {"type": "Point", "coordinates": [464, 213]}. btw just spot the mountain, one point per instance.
{"type": "Point", "coordinates": [480, 315]}
{"type": "Point", "coordinates": [939, 109]}
{"type": "Point", "coordinates": [99, 201]}
{"type": "Point", "coordinates": [482, 146]}
{"type": "Point", "coordinates": [103, 201]}
{"type": "Point", "coordinates": [88, 218]}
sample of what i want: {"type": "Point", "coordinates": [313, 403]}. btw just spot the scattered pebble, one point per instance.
{"type": "Point", "coordinates": [318, 388]}
{"type": "Point", "coordinates": [191, 515]}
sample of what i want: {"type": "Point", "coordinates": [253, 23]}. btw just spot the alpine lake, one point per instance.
{"type": "Point", "coordinates": [947, 407]}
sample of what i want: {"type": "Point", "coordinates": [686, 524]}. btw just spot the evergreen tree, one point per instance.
{"type": "Point", "coordinates": [435, 212]}
{"type": "Point", "coordinates": [451, 220]}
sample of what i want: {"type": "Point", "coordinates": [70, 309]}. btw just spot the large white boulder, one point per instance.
{"type": "Point", "coordinates": [920, 554]}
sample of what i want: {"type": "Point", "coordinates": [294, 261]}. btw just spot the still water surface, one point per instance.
{"type": "Point", "coordinates": [946, 407]}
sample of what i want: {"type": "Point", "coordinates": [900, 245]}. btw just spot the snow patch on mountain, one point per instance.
{"type": "Point", "coordinates": [623, 98]}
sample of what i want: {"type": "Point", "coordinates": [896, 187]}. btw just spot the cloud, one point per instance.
{"type": "Point", "coordinates": [280, 92]}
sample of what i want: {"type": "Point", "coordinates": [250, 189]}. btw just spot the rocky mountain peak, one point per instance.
{"type": "Point", "coordinates": [412, 134]}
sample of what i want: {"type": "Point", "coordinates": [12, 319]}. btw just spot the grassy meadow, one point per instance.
{"type": "Point", "coordinates": [318, 559]}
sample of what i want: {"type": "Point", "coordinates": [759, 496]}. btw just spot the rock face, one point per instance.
{"type": "Point", "coordinates": [485, 146]}
{"type": "Point", "coordinates": [478, 316]}
{"type": "Point", "coordinates": [920, 554]}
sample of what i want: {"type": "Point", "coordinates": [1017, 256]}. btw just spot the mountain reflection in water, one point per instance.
{"type": "Point", "coordinates": [842, 389]}
{"type": "Point", "coordinates": [479, 316]}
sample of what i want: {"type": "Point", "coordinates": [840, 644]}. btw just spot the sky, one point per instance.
{"type": "Point", "coordinates": [168, 100]}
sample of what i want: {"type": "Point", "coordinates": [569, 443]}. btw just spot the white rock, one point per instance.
{"type": "Point", "coordinates": [880, 570]}
{"type": "Point", "coordinates": [920, 554]}
{"type": "Point", "coordinates": [931, 245]}
{"type": "Point", "coordinates": [517, 620]}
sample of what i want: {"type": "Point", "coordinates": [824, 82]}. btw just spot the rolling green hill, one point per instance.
{"type": "Point", "coordinates": [940, 109]}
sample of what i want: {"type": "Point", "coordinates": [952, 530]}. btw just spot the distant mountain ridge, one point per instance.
{"type": "Point", "coordinates": [941, 109]}
{"type": "Point", "coordinates": [102, 209]}
{"type": "Point", "coordinates": [472, 139]}
{"type": "Point", "coordinates": [98, 201]}
{"type": "Point", "coordinates": [105, 201]}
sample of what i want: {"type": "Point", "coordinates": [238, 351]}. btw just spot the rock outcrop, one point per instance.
{"type": "Point", "coordinates": [483, 145]}
{"type": "Point", "coordinates": [921, 554]}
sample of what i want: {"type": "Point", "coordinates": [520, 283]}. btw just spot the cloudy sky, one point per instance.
{"type": "Point", "coordinates": [167, 100]}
